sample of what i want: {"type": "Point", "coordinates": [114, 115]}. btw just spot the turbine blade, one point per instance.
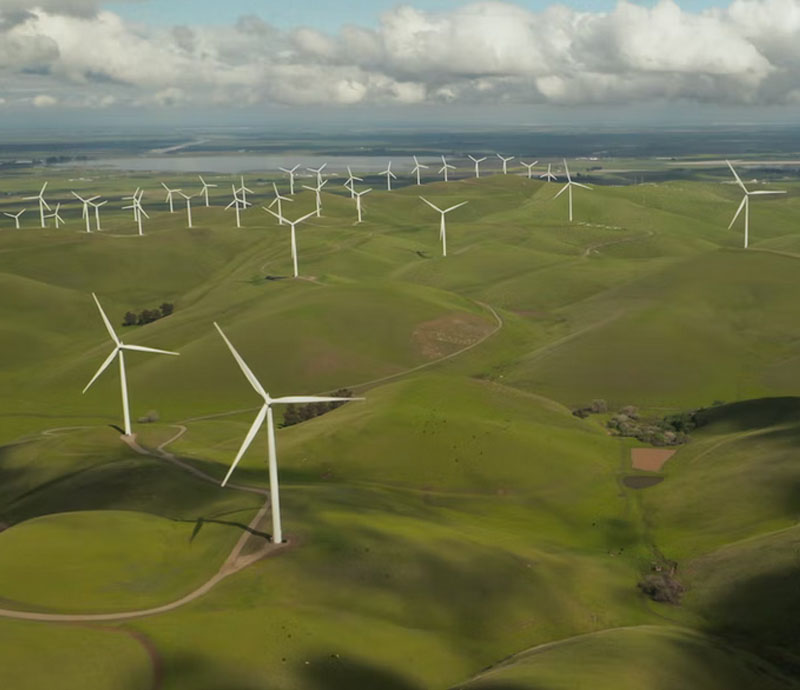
{"type": "Point", "coordinates": [582, 186]}
{"type": "Point", "coordinates": [141, 348]}
{"type": "Point", "coordinates": [566, 169]}
{"type": "Point", "coordinates": [453, 208]}
{"type": "Point", "coordinates": [435, 208]}
{"type": "Point", "coordinates": [102, 368]}
{"type": "Point", "coordinates": [257, 423]}
{"type": "Point", "coordinates": [249, 375]}
{"type": "Point", "coordinates": [766, 192]}
{"type": "Point", "coordinates": [738, 211]}
{"type": "Point", "coordinates": [109, 327]}
{"type": "Point", "coordinates": [563, 189]}
{"type": "Point", "coordinates": [302, 399]}
{"type": "Point", "coordinates": [738, 179]}
{"type": "Point", "coordinates": [305, 217]}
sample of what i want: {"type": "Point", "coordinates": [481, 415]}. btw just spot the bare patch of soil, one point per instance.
{"type": "Point", "coordinates": [440, 337]}
{"type": "Point", "coordinates": [650, 459]}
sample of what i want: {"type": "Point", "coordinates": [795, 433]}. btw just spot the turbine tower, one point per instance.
{"type": "Point", "coordinates": [549, 174]}
{"type": "Point", "coordinates": [477, 162]}
{"type": "Point", "coordinates": [568, 188]}
{"type": "Point", "coordinates": [170, 194]}
{"type": "Point", "coordinates": [443, 224]}
{"type": "Point", "coordinates": [358, 201]}
{"type": "Point", "coordinates": [96, 208]}
{"type": "Point", "coordinates": [277, 200]}
{"type": "Point", "coordinates": [85, 215]}
{"type": "Point", "coordinates": [42, 204]}
{"type": "Point", "coordinates": [529, 166]}
{"type": "Point", "coordinates": [417, 169]}
{"type": "Point", "coordinates": [746, 205]}
{"type": "Point", "coordinates": [15, 216]}
{"type": "Point", "coordinates": [188, 207]}
{"type": "Point", "coordinates": [505, 162]}
{"type": "Point", "coordinates": [119, 349]}
{"type": "Point", "coordinates": [389, 177]}
{"type": "Point", "coordinates": [445, 167]}
{"type": "Point", "coordinates": [204, 190]}
{"type": "Point", "coordinates": [317, 196]}
{"type": "Point", "coordinates": [265, 414]}
{"type": "Point", "coordinates": [290, 172]}
{"type": "Point", "coordinates": [293, 235]}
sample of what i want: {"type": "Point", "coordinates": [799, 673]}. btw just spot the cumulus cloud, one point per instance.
{"type": "Point", "coordinates": [483, 52]}
{"type": "Point", "coordinates": [44, 100]}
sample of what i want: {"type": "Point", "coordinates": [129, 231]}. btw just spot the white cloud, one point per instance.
{"type": "Point", "coordinates": [44, 100]}
{"type": "Point", "coordinates": [489, 52]}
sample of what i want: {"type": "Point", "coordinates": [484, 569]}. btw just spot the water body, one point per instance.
{"type": "Point", "coordinates": [233, 164]}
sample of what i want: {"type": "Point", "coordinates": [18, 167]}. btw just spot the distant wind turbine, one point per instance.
{"type": "Point", "coordinates": [568, 188]}
{"type": "Point", "coordinates": [170, 194]}
{"type": "Point", "coordinates": [238, 204]}
{"type": "Point", "coordinates": [56, 216]}
{"type": "Point", "coordinates": [188, 207]}
{"type": "Point", "coordinates": [317, 196]}
{"type": "Point", "coordinates": [265, 414]}
{"type": "Point", "coordinates": [746, 205]}
{"type": "Point", "coordinates": [445, 167]}
{"type": "Point", "coordinates": [138, 211]}
{"type": "Point", "coordinates": [243, 191]}
{"type": "Point", "coordinates": [358, 201]}
{"type": "Point", "coordinates": [119, 349]}
{"type": "Point", "coordinates": [505, 162]}
{"type": "Point", "coordinates": [389, 177]}
{"type": "Point", "coordinates": [204, 190]}
{"type": "Point", "coordinates": [477, 162]}
{"type": "Point", "coordinates": [277, 200]}
{"type": "Point", "coordinates": [529, 166]}
{"type": "Point", "coordinates": [15, 216]}
{"type": "Point", "coordinates": [293, 240]}
{"type": "Point", "coordinates": [86, 215]}
{"type": "Point", "coordinates": [42, 203]}
{"type": "Point", "coordinates": [443, 224]}
{"type": "Point", "coordinates": [290, 172]}
{"type": "Point", "coordinates": [549, 174]}
{"type": "Point", "coordinates": [132, 199]}
{"type": "Point", "coordinates": [350, 182]}
{"type": "Point", "coordinates": [318, 173]}
{"type": "Point", "coordinates": [97, 208]}
{"type": "Point", "coordinates": [417, 169]}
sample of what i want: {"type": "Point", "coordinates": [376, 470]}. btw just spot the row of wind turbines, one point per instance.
{"type": "Point", "coordinates": [240, 202]}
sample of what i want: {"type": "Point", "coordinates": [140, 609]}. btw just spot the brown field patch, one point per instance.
{"type": "Point", "coordinates": [650, 459]}
{"type": "Point", "coordinates": [448, 334]}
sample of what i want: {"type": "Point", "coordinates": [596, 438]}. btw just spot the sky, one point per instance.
{"type": "Point", "coordinates": [529, 61]}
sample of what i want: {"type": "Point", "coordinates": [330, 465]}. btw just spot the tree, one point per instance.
{"type": "Point", "coordinates": [167, 308]}
{"type": "Point", "coordinates": [130, 319]}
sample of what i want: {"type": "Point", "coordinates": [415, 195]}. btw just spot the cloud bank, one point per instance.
{"type": "Point", "coordinates": [486, 52]}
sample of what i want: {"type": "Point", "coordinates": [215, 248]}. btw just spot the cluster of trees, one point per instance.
{"type": "Point", "coordinates": [672, 430]}
{"type": "Point", "coordinates": [294, 414]}
{"type": "Point", "coordinates": [148, 315]}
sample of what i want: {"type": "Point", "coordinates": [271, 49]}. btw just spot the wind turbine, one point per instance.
{"type": "Point", "coordinates": [119, 349]}
{"type": "Point", "coordinates": [358, 201]}
{"type": "Point", "coordinates": [445, 167]}
{"type": "Point", "coordinates": [549, 174]}
{"type": "Point", "coordinates": [85, 214]}
{"type": "Point", "coordinates": [318, 173]}
{"type": "Point", "coordinates": [350, 183]}
{"type": "Point", "coordinates": [746, 205]}
{"type": "Point", "coordinates": [236, 204]}
{"type": "Point", "coordinates": [477, 162]}
{"type": "Point", "coordinates": [529, 166]}
{"type": "Point", "coordinates": [243, 191]}
{"type": "Point", "coordinates": [97, 213]}
{"type": "Point", "coordinates": [505, 162]}
{"type": "Point", "coordinates": [389, 177]}
{"type": "Point", "coordinates": [42, 203]}
{"type": "Point", "coordinates": [293, 234]}
{"type": "Point", "coordinates": [206, 187]}
{"type": "Point", "coordinates": [133, 198]}
{"type": "Point", "coordinates": [317, 195]}
{"type": "Point", "coordinates": [56, 216]}
{"type": "Point", "coordinates": [15, 216]}
{"type": "Point", "coordinates": [443, 225]}
{"type": "Point", "coordinates": [290, 173]}
{"type": "Point", "coordinates": [265, 414]}
{"type": "Point", "coordinates": [138, 211]}
{"type": "Point", "coordinates": [170, 193]}
{"type": "Point", "coordinates": [277, 200]}
{"type": "Point", "coordinates": [568, 188]}
{"type": "Point", "coordinates": [188, 206]}
{"type": "Point", "coordinates": [417, 168]}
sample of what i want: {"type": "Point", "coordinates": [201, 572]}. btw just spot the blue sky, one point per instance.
{"type": "Point", "coordinates": [324, 15]}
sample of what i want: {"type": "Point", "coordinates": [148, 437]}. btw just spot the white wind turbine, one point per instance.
{"type": "Point", "coordinates": [505, 162]}
{"type": "Point", "coordinates": [445, 167]}
{"type": "Point", "coordinates": [318, 173]}
{"type": "Point", "coordinates": [42, 203]}
{"type": "Point", "coordinates": [86, 202]}
{"type": "Point", "coordinates": [278, 200]}
{"type": "Point", "coordinates": [417, 169]}
{"type": "Point", "coordinates": [265, 414]}
{"type": "Point", "coordinates": [389, 177]}
{"type": "Point", "coordinates": [746, 205]}
{"type": "Point", "coordinates": [293, 235]}
{"type": "Point", "coordinates": [56, 216]}
{"type": "Point", "coordinates": [170, 194]}
{"type": "Point", "coordinates": [443, 224]}
{"type": "Point", "coordinates": [568, 188]}
{"type": "Point", "coordinates": [15, 216]}
{"type": "Point", "coordinates": [350, 182]}
{"type": "Point", "coordinates": [243, 191]}
{"type": "Point", "coordinates": [132, 199]}
{"type": "Point", "coordinates": [119, 349]}
{"type": "Point", "coordinates": [138, 211]}
{"type": "Point", "coordinates": [529, 166]}
{"type": "Point", "coordinates": [96, 208]}
{"type": "Point", "coordinates": [188, 207]}
{"type": "Point", "coordinates": [290, 172]}
{"type": "Point", "coordinates": [239, 205]}
{"type": "Point", "coordinates": [206, 187]}
{"type": "Point", "coordinates": [477, 162]}
{"type": "Point", "coordinates": [317, 196]}
{"type": "Point", "coordinates": [358, 201]}
{"type": "Point", "coordinates": [549, 174]}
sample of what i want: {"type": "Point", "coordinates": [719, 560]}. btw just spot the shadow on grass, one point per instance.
{"type": "Point", "coordinates": [201, 521]}
{"type": "Point", "coordinates": [332, 673]}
